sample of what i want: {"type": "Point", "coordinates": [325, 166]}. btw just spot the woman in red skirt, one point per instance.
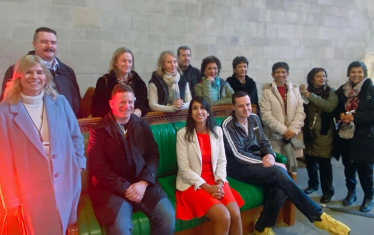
{"type": "Point", "coordinates": [202, 188]}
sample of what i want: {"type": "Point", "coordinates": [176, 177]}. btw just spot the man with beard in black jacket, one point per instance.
{"type": "Point", "coordinates": [192, 74]}
{"type": "Point", "coordinates": [45, 46]}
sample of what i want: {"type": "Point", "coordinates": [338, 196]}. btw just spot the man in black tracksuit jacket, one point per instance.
{"type": "Point", "coordinates": [251, 159]}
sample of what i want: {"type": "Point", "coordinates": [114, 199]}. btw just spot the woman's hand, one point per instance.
{"type": "Point", "coordinates": [289, 134]}
{"type": "Point", "coordinates": [209, 78]}
{"type": "Point", "coordinates": [178, 104]}
{"type": "Point", "coordinates": [304, 91]}
{"type": "Point", "coordinates": [215, 190]}
{"type": "Point", "coordinates": [137, 112]}
{"type": "Point", "coordinates": [346, 118]}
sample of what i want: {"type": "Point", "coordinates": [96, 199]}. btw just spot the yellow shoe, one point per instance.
{"type": "Point", "coordinates": [267, 231]}
{"type": "Point", "coordinates": [331, 225]}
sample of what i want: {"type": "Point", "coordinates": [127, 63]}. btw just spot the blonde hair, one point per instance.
{"type": "Point", "coordinates": [117, 53]}
{"type": "Point", "coordinates": [13, 88]}
{"type": "Point", "coordinates": [160, 62]}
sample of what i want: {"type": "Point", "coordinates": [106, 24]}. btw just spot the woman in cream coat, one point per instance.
{"type": "Point", "coordinates": [282, 110]}
{"type": "Point", "coordinates": [202, 188]}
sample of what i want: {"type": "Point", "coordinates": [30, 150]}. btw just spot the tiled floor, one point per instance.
{"type": "Point", "coordinates": [359, 225]}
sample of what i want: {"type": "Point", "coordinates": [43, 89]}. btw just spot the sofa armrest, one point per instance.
{"type": "Point", "coordinates": [280, 158]}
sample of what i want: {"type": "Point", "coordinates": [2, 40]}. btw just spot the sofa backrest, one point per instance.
{"type": "Point", "coordinates": [165, 136]}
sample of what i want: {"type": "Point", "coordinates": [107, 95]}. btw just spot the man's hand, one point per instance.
{"type": "Point", "coordinates": [289, 134]}
{"type": "Point", "coordinates": [137, 112]}
{"type": "Point", "coordinates": [281, 165]}
{"type": "Point", "coordinates": [136, 191]}
{"type": "Point", "coordinates": [268, 160]}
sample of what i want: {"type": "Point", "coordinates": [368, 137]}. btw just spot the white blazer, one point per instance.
{"type": "Point", "coordinates": [190, 160]}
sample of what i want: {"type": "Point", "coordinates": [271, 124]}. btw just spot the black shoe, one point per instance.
{"type": "Point", "coordinates": [367, 204]}
{"type": "Point", "coordinates": [350, 198]}
{"type": "Point", "coordinates": [310, 190]}
{"type": "Point", "coordinates": [326, 198]}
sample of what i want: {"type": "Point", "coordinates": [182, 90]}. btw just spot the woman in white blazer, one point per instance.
{"type": "Point", "coordinates": [282, 110]}
{"type": "Point", "coordinates": [202, 188]}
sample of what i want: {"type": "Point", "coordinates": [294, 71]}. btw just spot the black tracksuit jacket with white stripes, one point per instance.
{"type": "Point", "coordinates": [242, 148]}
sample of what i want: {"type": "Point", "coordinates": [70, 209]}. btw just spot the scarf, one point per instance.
{"type": "Point", "coordinates": [171, 80]}
{"type": "Point", "coordinates": [351, 92]}
{"type": "Point", "coordinates": [216, 84]}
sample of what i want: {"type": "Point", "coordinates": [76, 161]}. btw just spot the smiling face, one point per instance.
{"type": "Point", "coordinates": [280, 75]}
{"type": "Point", "coordinates": [242, 107]}
{"type": "Point", "coordinates": [45, 46]}
{"type": "Point", "coordinates": [211, 70]}
{"type": "Point", "coordinates": [122, 105]}
{"type": "Point", "coordinates": [356, 75]}
{"type": "Point", "coordinates": [170, 64]}
{"type": "Point", "coordinates": [124, 63]}
{"type": "Point", "coordinates": [319, 79]}
{"type": "Point", "coordinates": [33, 80]}
{"type": "Point", "coordinates": [241, 70]}
{"type": "Point", "coordinates": [199, 113]}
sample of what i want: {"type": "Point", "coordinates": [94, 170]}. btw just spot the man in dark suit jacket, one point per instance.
{"type": "Point", "coordinates": [123, 164]}
{"type": "Point", "coordinates": [45, 46]}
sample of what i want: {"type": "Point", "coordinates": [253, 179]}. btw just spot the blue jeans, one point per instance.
{"type": "Point", "coordinates": [277, 186]}
{"type": "Point", "coordinates": [162, 218]}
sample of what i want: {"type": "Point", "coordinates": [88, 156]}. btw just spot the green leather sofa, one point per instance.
{"type": "Point", "coordinates": [165, 136]}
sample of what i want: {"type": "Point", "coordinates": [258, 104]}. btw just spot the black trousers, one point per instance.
{"type": "Point", "coordinates": [277, 186]}
{"type": "Point", "coordinates": [364, 170]}
{"type": "Point", "coordinates": [325, 173]}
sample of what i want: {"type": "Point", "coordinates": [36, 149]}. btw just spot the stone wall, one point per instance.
{"type": "Point", "coordinates": [303, 33]}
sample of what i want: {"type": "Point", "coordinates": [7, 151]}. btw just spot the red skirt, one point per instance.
{"type": "Point", "coordinates": [194, 204]}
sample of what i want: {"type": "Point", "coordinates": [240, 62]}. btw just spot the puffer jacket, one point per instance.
{"type": "Point", "coordinates": [274, 117]}
{"type": "Point", "coordinates": [321, 145]}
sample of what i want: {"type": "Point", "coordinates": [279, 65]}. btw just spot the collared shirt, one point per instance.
{"type": "Point", "coordinates": [49, 65]}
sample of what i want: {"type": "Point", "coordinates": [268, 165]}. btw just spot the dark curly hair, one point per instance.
{"type": "Point", "coordinates": [208, 60]}
{"type": "Point", "coordinates": [238, 60]}
{"type": "Point", "coordinates": [190, 123]}
{"type": "Point", "coordinates": [313, 73]}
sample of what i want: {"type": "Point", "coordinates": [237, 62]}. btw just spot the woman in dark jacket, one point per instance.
{"type": "Point", "coordinates": [319, 102]}
{"type": "Point", "coordinates": [120, 70]}
{"type": "Point", "coordinates": [239, 81]}
{"type": "Point", "coordinates": [356, 133]}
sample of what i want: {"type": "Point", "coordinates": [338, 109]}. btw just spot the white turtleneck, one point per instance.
{"type": "Point", "coordinates": [34, 106]}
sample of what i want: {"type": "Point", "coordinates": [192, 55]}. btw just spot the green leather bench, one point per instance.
{"type": "Point", "coordinates": [165, 136]}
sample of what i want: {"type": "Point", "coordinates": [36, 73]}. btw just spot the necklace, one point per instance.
{"type": "Point", "coordinates": [39, 130]}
